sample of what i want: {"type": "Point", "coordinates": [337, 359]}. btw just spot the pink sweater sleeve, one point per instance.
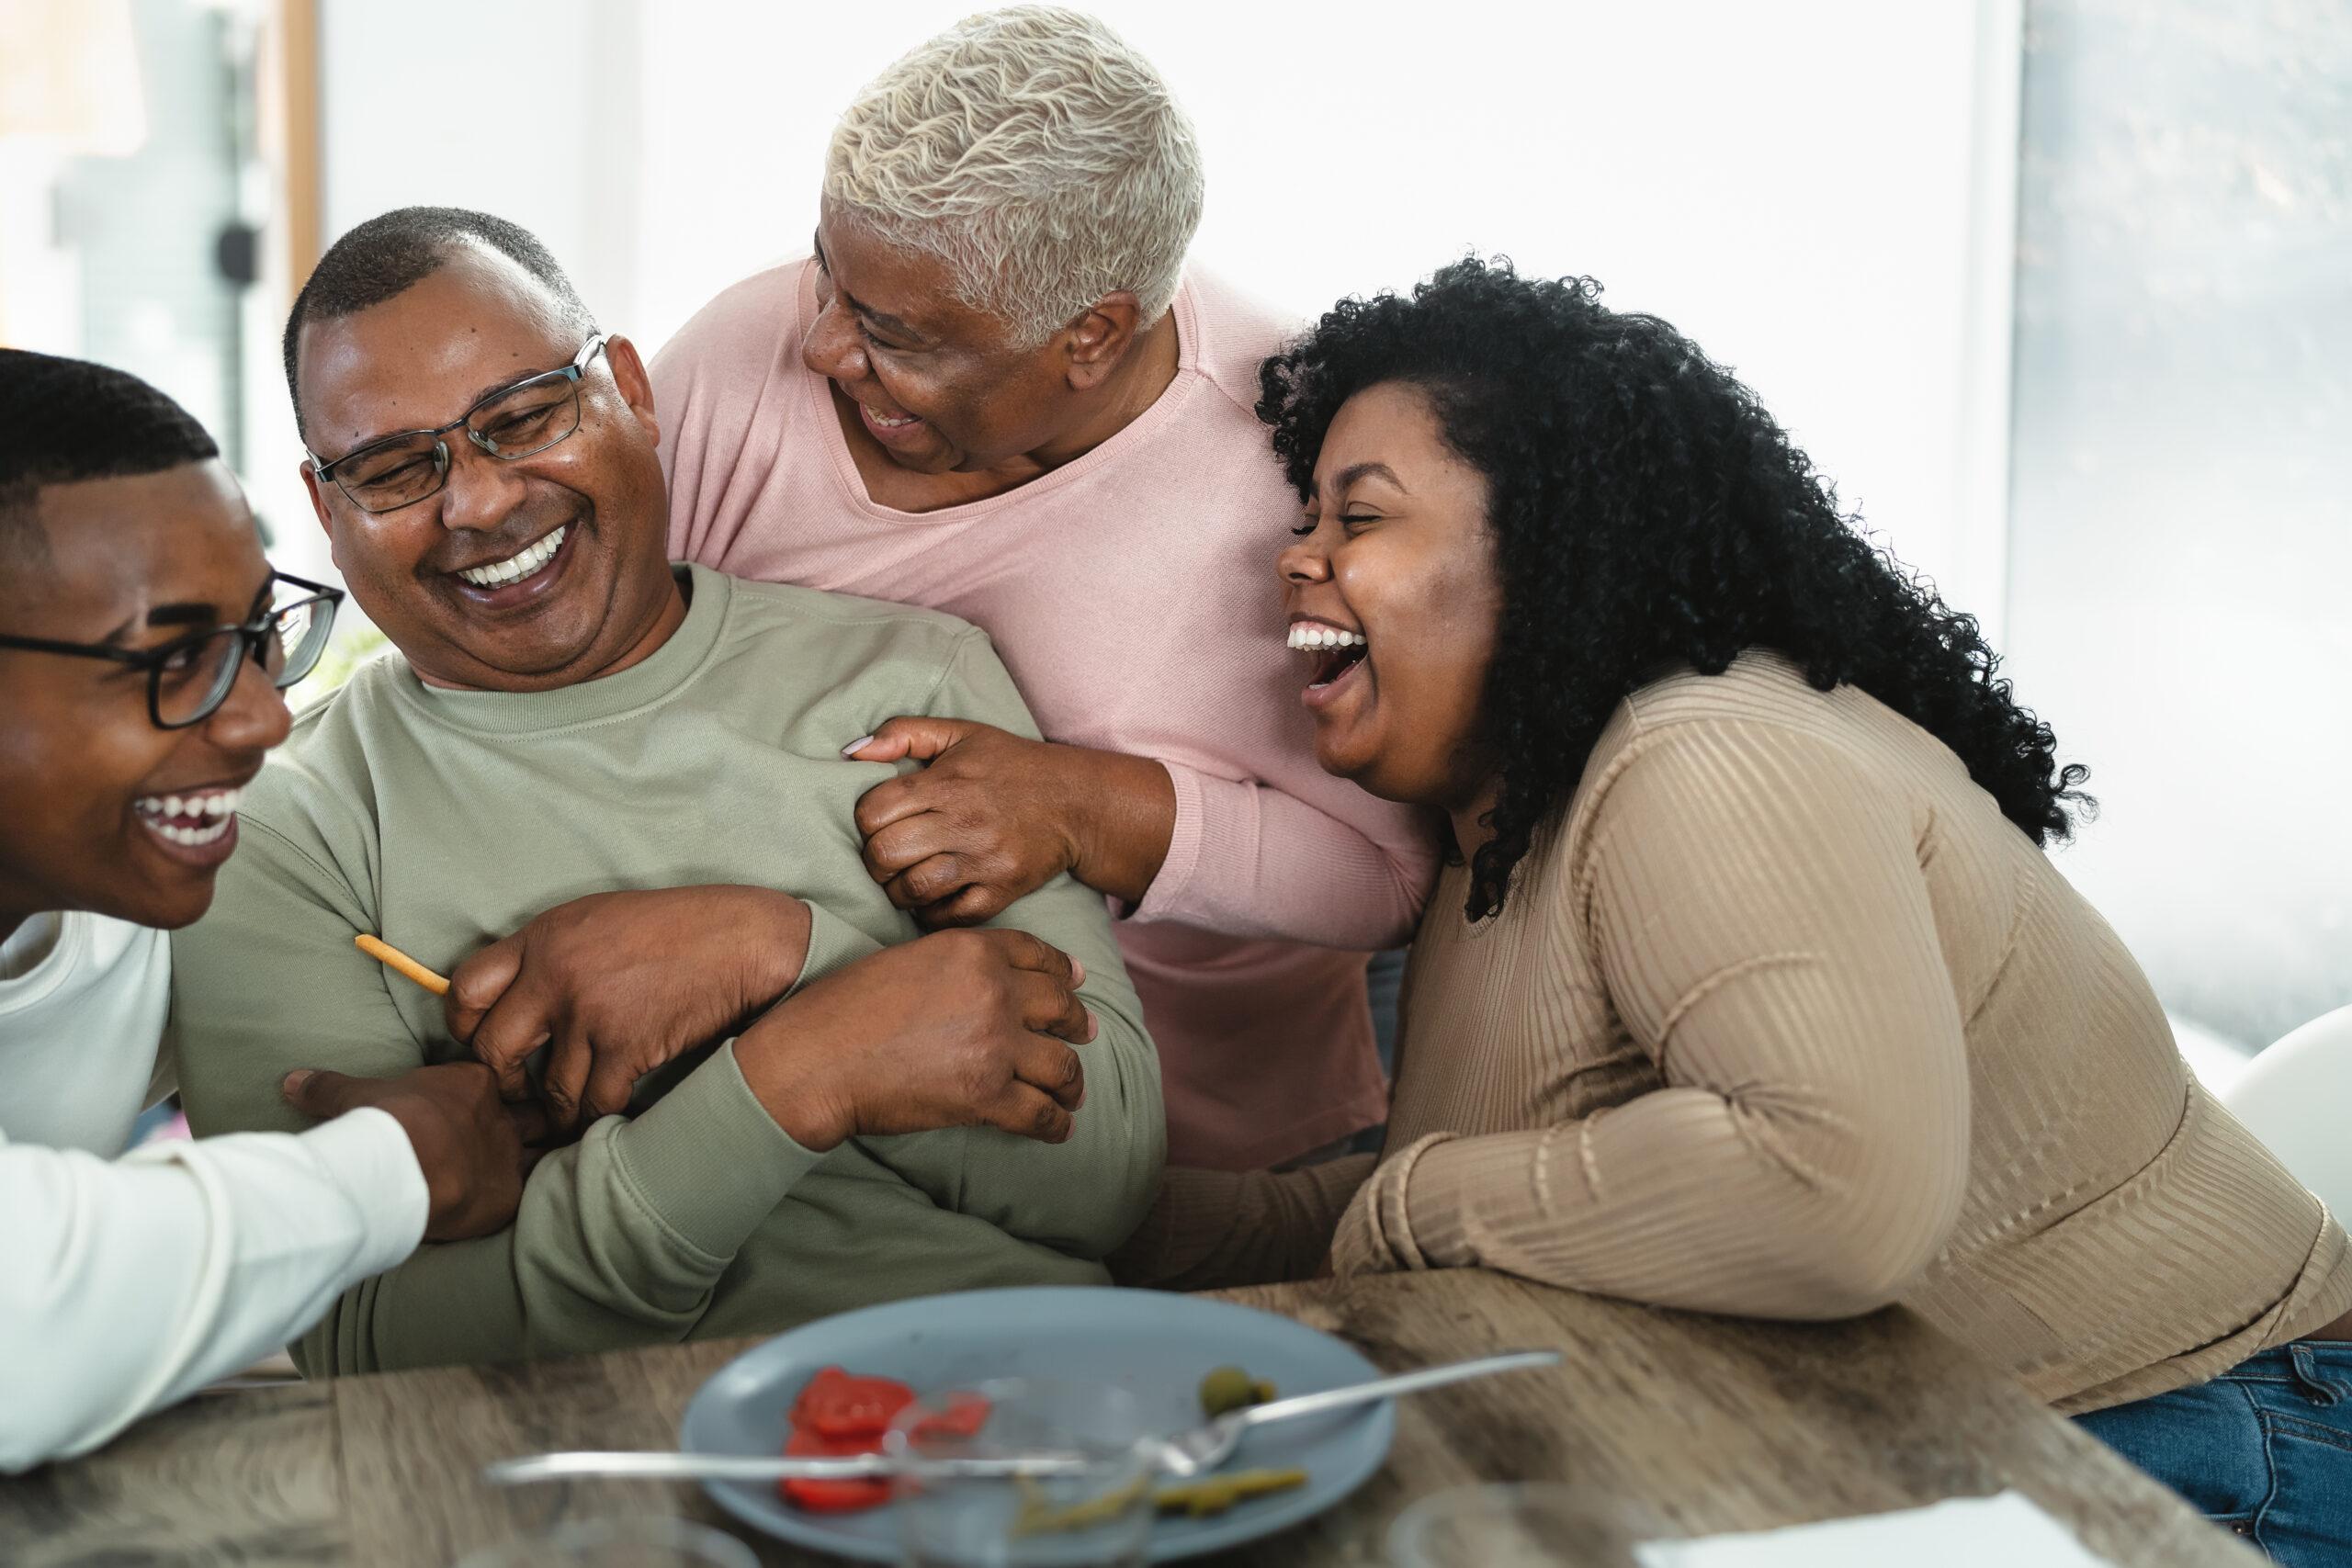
{"type": "Point", "coordinates": [1249, 859]}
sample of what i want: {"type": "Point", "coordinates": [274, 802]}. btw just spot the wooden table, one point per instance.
{"type": "Point", "coordinates": [1716, 1425]}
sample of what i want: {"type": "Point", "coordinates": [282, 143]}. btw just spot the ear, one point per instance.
{"type": "Point", "coordinates": [635, 386]}
{"type": "Point", "coordinates": [1098, 341]}
{"type": "Point", "coordinates": [318, 496]}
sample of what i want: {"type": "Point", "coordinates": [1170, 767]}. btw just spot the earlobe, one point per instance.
{"type": "Point", "coordinates": [318, 497]}
{"type": "Point", "coordinates": [635, 386]}
{"type": "Point", "coordinates": [1100, 339]}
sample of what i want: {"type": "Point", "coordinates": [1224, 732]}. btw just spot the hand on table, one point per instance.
{"type": "Point", "coordinates": [954, 1030]}
{"type": "Point", "coordinates": [616, 984]}
{"type": "Point", "coordinates": [992, 817]}
{"type": "Point", "coordinates": [472, 1147]}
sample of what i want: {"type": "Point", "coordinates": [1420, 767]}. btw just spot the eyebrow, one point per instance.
{"type": "Point", "coordinates": [188, 614]}
{"type": "Point", "coordinates": [1351, 474]}
{"type": "Point", "coordinates": [883, 319]}
{"type": "Point", "coordinates": [480, 397]}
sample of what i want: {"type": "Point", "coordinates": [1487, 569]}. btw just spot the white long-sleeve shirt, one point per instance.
{"type": "Point", "coordinates": [127, 1282]}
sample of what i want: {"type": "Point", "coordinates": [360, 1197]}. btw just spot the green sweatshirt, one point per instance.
{"type": "Point", "coordinates": [442, 821]}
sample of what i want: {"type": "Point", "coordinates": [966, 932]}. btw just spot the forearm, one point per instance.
{"type": "Point", "coordinates": [1757, 1203]}
{"type": "Point", "coordinates": [130, 1284]}
{"type": "Point", "coordinates": [1123, 810]}
{"type": "Point", "coordinates": [1216, 1229]}
{"type": "Point", "coordinates": [620, 1240]}
{"type": "Point", "coordinates": [1246, 859]}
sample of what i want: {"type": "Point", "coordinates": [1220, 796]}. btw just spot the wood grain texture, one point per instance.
{"type": "Point", "coordinates": [1705, 1424]}
{"type": "Point", "coordinates": [238, 1479]}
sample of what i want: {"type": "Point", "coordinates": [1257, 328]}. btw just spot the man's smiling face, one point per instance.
{"type": "Point", "coordinates": [521, 574]}
{"type": "Point", "coordinates": [106, 811]}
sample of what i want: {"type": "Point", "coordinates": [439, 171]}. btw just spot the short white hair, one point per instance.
{"type": "Point", "coordinates": [1037, 156]}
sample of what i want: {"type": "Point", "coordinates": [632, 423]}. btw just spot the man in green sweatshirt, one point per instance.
{"type": "Point", "coordinates": [610, 795]}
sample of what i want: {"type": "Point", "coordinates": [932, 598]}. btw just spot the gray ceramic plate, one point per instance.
{"type": "Point", "coordinates": [1155, 1345]}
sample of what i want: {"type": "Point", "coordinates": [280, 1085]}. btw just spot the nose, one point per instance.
{"type": "Point", "coordinates": [832, 348]}
{"type": "Point", "coordinates": [253, 718]}
{"type": "Point", "coordinates": [1304, 562]}
{"type": "Point", "coordinates": [482, 491]}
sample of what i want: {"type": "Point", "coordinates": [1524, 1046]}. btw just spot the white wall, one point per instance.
{"type": "Point", "coordinates": [1807, 188]}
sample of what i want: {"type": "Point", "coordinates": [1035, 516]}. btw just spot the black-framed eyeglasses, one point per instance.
{"type": "Point", "coordinates": [513, 422]}
{"type": "Point", "coordinates": [189, 678]}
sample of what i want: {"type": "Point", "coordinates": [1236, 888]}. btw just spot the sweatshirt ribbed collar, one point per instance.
{"type": "Point", "coordinates": [647, 683]}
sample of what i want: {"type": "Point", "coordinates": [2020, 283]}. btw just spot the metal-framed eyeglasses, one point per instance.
{"type": "Point", "coordinates": [513, 422]}
{"type": "Point", "coordinates": [190, 677]}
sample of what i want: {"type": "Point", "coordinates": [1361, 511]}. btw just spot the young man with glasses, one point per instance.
{"type": "Point", "coordinates": [609, 799]}
{"type": "Point", "coordinates": [143, 645]}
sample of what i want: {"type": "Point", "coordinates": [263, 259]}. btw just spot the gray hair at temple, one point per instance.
{"type": "Point", "coordinates": [1037, 156]}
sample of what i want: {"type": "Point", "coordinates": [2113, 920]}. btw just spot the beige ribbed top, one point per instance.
{"type": "Point", "coordinates": [1784, 1018]}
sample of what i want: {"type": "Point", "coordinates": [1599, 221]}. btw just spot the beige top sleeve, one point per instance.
{"type": "Point", "coordinates": [1766, 936]}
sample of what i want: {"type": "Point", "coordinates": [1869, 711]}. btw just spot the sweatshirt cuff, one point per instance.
{"type": "Point", "coordinates": [708, 1160]}
{"type": "Point", "coordinates": [366, 1154]}
{"type": "Point", "coordinates": [834, 944]}
{"type": "Point", "coordinates": [1165, 897]}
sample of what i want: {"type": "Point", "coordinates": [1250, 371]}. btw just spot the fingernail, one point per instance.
{"type": "Point", "coordinates": [292, 1083]}
{"type": "Point", "coordinates": [855, 746]}
{"type": "Point", "coordinates": [1077, 973]}
{"type": "Point", "coordinates": [1093, 1026]}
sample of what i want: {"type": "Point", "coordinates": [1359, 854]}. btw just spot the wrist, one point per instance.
{"type": "Point", "coordinates": [779, 948]}
{"type": "Point", "coordinates": [1120, 814]}
{"type": "Point", "coordinates": [781, 1062]}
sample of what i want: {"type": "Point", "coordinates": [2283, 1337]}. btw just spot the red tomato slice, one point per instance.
{"type": "Point", "coordinates": [963, 1418]}
{"type": "Point", "coordinates": [835, 1404]}
{"type": "Point", "coordinates": [839, 1414]}
{"type": "Point", "coordinates": [832, 1496]}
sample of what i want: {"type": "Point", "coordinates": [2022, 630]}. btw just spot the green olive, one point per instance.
{"type": "Point", "coordinates": [1226, 1389]}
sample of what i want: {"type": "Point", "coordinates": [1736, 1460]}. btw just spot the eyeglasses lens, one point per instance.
{"type": "Point", "coordinates": [195, 680]}
{"type": "Point", "coordinates": [394, 474]}
{"type": "Point", "coordinates": [529, 418]}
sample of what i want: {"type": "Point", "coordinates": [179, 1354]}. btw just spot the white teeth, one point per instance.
{"type": "Point", "coordinates": [195, 836]}
{"type": "Point", "coordinates": [1307, 636]}
{"type": "Point", "coordinates": [521, 564]}
{"type": "Point", "coordinates": [159, 810]}
{"type": "Point", "coordinates": [879, 417]}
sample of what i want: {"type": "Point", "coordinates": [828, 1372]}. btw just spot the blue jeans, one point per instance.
{"type": "Point", "coordinates": [2266, 1449]}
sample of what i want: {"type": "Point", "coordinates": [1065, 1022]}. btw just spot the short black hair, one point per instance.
{"type": "Point", "coordinates": [66, 420]}
{"type": "Point", "coordinates": [395, 251]}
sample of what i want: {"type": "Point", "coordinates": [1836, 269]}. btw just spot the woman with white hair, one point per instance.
{"type": "Point", "coordinates": [997, 391]}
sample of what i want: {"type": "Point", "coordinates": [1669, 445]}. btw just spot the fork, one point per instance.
{"type": "Point", "coordinates": [1205, 1447]}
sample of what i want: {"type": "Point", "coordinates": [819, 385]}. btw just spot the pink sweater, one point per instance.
{"type": "Point", "coordinates": [1131, 594]}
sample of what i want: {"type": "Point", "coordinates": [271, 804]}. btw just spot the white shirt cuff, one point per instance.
{"type": "Point", "coordinates": [367, 1155]}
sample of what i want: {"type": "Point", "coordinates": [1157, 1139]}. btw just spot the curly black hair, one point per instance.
{"type": "Point", "coordinates": [1645, 510]}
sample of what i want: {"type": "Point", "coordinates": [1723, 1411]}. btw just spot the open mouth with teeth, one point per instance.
{"type": "Point", "coordinates": [201, 821]}
{"type": "Point", "coordinates": [523, 564]}
{"type": "Point", "coordinates": [1335, 651]}
{"type": "Point", "coordinates": [887, 427]}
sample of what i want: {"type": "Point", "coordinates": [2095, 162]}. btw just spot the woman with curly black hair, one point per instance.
{"type": "Point", "coordinates": [1751, 989]}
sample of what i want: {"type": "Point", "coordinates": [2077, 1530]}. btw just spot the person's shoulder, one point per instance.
{"type": "Point", "coordinates": [1235, 332]}
{"type": "Point", "coordinates": [1760, 724]}
{"type": "Point", "coordinates": [741, 324]}
{"type": "Point", "coordinates": [840, 635]}
{"type": "Point", "coordinates": [320, 784]}
{"type": "Point", "coordinates": [1758, 686]}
